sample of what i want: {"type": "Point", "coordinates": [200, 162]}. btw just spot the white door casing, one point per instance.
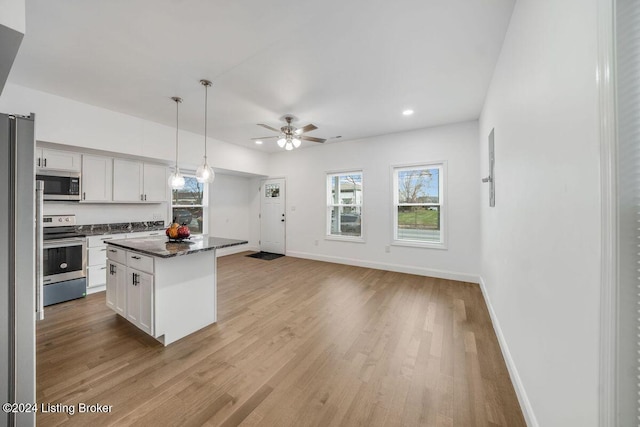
{"type": "Point", "coordinates": [272, 216]}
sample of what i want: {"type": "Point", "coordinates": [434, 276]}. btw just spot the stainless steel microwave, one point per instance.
{"type": "Point", "coordinates": [60, 185]}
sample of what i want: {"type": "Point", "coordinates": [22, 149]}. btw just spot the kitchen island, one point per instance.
{"type": "Point", "coordinates": [167, 289]}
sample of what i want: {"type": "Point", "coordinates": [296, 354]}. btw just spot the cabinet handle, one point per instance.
{"type": "Point", "coordinates": [135, 257]}
{"type": "Point", "coordinates": [39, 161]}
{"type": "Point", "coordinates": [142, 197]}
{"type": "Point", "coordinates": [84, 196]}
{"type": "Point", "coordinates": [112, 250]}
{"type": "Point", "coordinates": [103, 268]}
{"type": "Point", "coordinates": [102, 250]}
{"type": "Point", "coordinates": [145, 197]}
{"type": "Point", "coordinates": [45, 163]}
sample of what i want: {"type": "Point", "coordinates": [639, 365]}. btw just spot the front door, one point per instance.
{"type": "Point", "coordinates": [272, 218]}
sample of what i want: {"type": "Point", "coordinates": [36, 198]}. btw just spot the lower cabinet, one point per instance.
{"type": "Point", "coordinates": [140, 299]}
{"type": "Point", "coordinates": [117, 287]}
{"type": "Point", "coordinates": [130, 291]}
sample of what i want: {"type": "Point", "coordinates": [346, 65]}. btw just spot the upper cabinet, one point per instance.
{"type": "Point", "coordinates": [97, 178]}
{"type": "Point", "coordinates": [48, 159]}
{"type": "Point", "coordinates": [154, 183]}
{"type": "Point", "coordinates": [127, 181]}
{"type": "Point", "coordinates": [134, 181]}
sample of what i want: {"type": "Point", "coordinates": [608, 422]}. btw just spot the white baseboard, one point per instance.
{"type": "Point", "coordinates": [525, 404]}
{"type": "Point", "coordinates": [235, 249]}
{"type": "Point", "coordinates": [420, 271]}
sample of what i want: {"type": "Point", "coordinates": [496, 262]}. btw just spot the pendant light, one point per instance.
{"type": "Point", "coordinates": [176, 180]}
{"type": "Point", "coordinates": [205, 172]}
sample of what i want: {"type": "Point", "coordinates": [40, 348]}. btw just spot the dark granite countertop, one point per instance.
{"type": "Point", "coordinates": [160, 247]}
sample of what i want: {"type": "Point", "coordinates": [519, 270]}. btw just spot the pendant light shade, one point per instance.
{"type": "Point", "coordinates": [176, 180]}
{"type": "Point", "coordinates": [205, 172]}
{"type": "Point", "coordinates": [282, 142]}
{"type": "Point", "coordinates": [296, 142]}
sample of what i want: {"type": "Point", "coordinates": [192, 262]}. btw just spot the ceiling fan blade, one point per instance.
{"type": "Point", "coordinates": [265, 137]}
{"type": "Point", "coordinates": [311, 138]}
{"type": "Point", "coordinates": [307, 128]}
{"type": "Point", "coordinates": [269, 127]}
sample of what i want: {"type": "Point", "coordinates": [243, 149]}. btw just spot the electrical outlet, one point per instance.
{"type": "Point", "coordinates": [293, 208]}
{"type": "Point", "coordinates": [157, 216]}
{"type": "Point", "coordinates": [387, 249]}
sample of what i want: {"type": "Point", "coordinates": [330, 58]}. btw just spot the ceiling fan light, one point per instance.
{"type": "Point", "coordinates": [205, 173]}
{"type": "Point", "coordinates": [281, 142]}
{"type": "Point", "coordinates": [288, 146]}
{"type": "Point", "coordinates": [296, 142]}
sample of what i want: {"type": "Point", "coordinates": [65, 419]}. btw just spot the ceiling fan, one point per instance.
{"type": "Point", "coordinates": [289, 136]}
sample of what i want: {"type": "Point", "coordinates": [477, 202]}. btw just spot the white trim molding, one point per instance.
{"type": "Point", "coordinates": [398, 268]}
{"type": "Point", "coordinates": [523, 399]}
{"type": "Point", "coordinates": [605, 80]}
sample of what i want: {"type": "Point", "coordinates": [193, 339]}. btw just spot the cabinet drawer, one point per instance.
{"type": "Point", "coordinates": [96, 275]}
{"type": "Point", "coordinates": [117, 254]}
{"type": "Point", "coordinates": [97, 256]}
{"type": "Point", "coordinates": [140, 262]}
{"type": "Point", "coordinates": [95, 241]}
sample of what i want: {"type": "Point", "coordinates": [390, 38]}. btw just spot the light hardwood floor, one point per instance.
{"type": "Point", "coordinates": [297, 343]}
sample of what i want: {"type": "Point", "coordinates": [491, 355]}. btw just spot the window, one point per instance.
{"type": "Point", "coordinates": [189, 205]}
{"type": "Point", "coordinates": [344, 205]}
{"type": "Point", "coordinates": [418, 205]}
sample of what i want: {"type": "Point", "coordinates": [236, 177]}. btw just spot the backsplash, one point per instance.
{"type": "Point", "coordinates": [87, 214]}
{"type": "Point", "coordinates": [120, 227]}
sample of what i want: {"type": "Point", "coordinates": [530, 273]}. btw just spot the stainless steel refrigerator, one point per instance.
{"type": "Point", "coordinates": [17, 266]}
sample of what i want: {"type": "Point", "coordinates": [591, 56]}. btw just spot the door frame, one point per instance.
{"type": "Point", "coordinates": [286, 214]}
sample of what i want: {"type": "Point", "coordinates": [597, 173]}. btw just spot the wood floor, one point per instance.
{"type": "Point", "coordinates": [298, 343]}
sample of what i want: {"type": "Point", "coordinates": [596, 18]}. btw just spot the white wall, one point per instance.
{"type": "Point", "coordinates": [109, 214]}
{"type": "Point", "coordinates": [65, 121]}
{"type": "Point", "coordinates": [13, 14]}
{"type": "Point", "coordinates": [540, 244]}
{"type": "Point", "coordinates": [305, 172]}
{"type": "Point", "coordinates": [230, 211]}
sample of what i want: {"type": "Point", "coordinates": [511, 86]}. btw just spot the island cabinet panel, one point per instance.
{"type": "Point", "coordinates": [139, 296]}
{"type": "Point", "coordinates": [116, 287]}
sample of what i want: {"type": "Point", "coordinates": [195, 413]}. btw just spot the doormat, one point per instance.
{"type": "Point", "coordinates": [268, 256]}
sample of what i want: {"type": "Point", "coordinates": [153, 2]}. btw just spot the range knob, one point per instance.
{"type": "Point", "coordinates": [59, 219]}
{"type": "Point", "coordinates": [67, 219]}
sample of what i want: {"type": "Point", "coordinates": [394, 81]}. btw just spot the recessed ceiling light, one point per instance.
{"type": "Point", "coordinates": [407, 112]}
{"type": "Point", "coordinates": [259, 142]}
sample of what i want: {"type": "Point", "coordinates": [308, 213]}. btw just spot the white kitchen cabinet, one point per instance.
{"type": "Point", "coordinates": [155, 183]}
{"type": "Point", "coordinates": [145, 234]}
{"type": "Point", "coordinates": [134, 181]}
{"type": "Point", "coordinates": [127, 181]}
{"type": "Point", "coordinates": [97, 178]}
{"type": "Point", "coordinates": [96, 260]}
{"type": "Point", "coordinates": [140, 299]}
{"type": "Point", "coordinates": [48, 159]}
{"type": "Point", "coordinates": [117, 287]}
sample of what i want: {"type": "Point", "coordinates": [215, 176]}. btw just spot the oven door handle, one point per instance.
{"type": "Point", "coordinates": [62, 243]}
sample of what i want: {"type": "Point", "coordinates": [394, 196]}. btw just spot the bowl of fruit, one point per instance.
{"type": "Point", "coordinates": [177, 232]}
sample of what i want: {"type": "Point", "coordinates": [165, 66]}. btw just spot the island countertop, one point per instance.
{"type": "Point", "coordinates": [162, 248]}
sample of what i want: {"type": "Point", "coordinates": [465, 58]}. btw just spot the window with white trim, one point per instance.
{"type": "Point", "coordinates": [344, 205]}
{"type": "Point", "coordinates": [418, 199]}
{"type": "Point", "coordinates": [189, 205]}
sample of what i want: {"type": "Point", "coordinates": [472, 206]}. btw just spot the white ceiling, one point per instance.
{"type": "Point", "coordinates": [348, 66]}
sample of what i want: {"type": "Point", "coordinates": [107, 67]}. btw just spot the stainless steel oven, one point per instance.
{"type": "Point", "coordinates": [60, 185]}
{"type": "Point", "coordinates": [63, 260]}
